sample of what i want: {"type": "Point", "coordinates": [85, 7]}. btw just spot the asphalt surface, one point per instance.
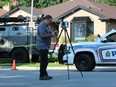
{"type": "Point", "coordinates": [29, 77]}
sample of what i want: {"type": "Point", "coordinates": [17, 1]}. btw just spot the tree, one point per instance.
{"type": "Point", "coordinates": [40, 3]}
{"type": "Point", "coordinates": [109, 2]}
{"type": "Point", "coordinates": [3, 2]}
{"type": "Point", "coordinates": [37, 3]}
{"type": "Point", "coordinates": [47, 3]}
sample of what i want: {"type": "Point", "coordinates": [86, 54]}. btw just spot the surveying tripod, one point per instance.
{"type": "Point", "coordinates": [66, 35]}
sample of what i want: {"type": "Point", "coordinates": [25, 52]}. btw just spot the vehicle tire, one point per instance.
{"type": "Point", "coordinates": [84, 62]}
{"type": "Point", "coordinates": [20, 55]}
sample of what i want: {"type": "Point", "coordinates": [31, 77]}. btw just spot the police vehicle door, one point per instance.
{"type": "Point", "coordinates": [107, 53]}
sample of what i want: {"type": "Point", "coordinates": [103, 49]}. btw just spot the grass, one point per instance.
{"type": "Point", "coordinates": [55, 64]}
{"type": "Point", "coordinates": [52, 63]}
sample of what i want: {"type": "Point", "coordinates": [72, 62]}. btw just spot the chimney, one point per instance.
{"type": "Point", "coordinates": [6, 7]}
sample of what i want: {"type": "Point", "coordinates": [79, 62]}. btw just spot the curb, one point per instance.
{"type": "Point", "coordinates": [48, 68]}
{"type": "Point", "coordinates": [37, 68]}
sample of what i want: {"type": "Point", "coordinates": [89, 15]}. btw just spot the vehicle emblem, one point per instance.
{"type": "Point", "coordinates": [108, 54]}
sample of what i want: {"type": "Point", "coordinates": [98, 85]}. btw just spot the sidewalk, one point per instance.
{"type": "Point", "coordinates": [37, 68]}
{"type": "Point", "coordinates": [49, 68]}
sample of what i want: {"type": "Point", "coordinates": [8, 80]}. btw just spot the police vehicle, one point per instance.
{"type": "Point", "coordinates": [15, 38]}
{"type": "Point", "coordinates": [15, 34]}
{"type": "Point", "coordinates": [89, 54]}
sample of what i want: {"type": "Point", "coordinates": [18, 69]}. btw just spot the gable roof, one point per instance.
{"type": "Point", "coordinates": [35, 10]}
{"type": "Point", "coordinates": [105, 12]}
{"type": "Point", "coordinates": [64, 9]}
{"type": "Point", "coordinates": [26, 9]}
{"type": "Point", "coordinates": [2, 12]}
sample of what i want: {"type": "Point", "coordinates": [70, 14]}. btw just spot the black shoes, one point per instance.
{"type": "Point", "coordinates": [45, 78]}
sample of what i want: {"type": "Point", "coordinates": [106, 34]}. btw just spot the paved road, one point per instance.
{"type": "Point", "coordinates": [99, 77]}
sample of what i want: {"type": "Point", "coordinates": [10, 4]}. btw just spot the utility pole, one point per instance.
{"type": "Point", "coordinates": [31, 25]}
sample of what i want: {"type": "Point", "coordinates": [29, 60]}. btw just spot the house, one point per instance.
{"type": "Point", "coordinates": [4, 9]}
{"type": "Point", "coordinates": [2, 12]}
{"type": "Point", "coordinates": [24, 11]}
{"type": "Point", "coordinates": [85, 17]}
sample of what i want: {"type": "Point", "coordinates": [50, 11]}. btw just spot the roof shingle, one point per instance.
{"type": "Point", "coordinates": [102, 9]}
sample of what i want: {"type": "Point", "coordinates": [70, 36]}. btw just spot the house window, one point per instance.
{"type": "Point", "coordinates": [79, 31]}
{"type": "Point", "coordinates": [82, 27]}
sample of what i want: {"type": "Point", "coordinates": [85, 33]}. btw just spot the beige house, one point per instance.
{"type": "Point", "coordinates": [85, 17]}
{"type": "Point", "coordinates": [2, 11]}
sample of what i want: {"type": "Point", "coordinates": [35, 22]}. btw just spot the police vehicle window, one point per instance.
{"type": "Point", "coordinates": [2, 29]}
{"type": "Point", "coordinates": [15, 28]}
{"type": "Point", "coordinates": [112, 38]}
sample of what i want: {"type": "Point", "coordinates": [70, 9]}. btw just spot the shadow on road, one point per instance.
{"type": "Point", "coordinates": [100, 69]}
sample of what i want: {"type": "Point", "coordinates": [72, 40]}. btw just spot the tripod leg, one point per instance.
{"type": "Point", "coordinates": [72, 48]}
{"type": "Point", "coordinates": [66, 54]}
{"type": "Point", "coordinates": [57, 40]}
{"type": "Point", "coordinates": [70, 42]}
{"type": "Point", "coordinates": [68, 68]}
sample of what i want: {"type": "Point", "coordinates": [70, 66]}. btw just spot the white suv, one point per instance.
{"type": "Point", "coordinates": [89, 54]}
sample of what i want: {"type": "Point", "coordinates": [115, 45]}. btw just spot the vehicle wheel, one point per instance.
{"type": "Point", "coordinates": [84, 62]}
{"type": "Point", "coordinates": [20, 55]}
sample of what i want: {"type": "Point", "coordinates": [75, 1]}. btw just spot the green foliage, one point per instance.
{"type": "Point", "coordinates": [109, 2]}
{"type": "Point", "coordinates": [36, 65]}
{"type": "Point", "coordinates": [47, 3]}
{"type": "Point", "coordinates": [37, 3]}
{"type": "Point", "coordinates": [4, 2]}
{"type": "Point", "coordinates": [26, 3]}
{"type": "Point", "coordinates": [91, 38]}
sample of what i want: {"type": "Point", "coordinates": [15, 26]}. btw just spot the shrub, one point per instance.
{"type": "Point", "coordinates": [91, 38]}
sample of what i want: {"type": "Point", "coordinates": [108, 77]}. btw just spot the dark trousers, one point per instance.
{"type": "Point", "coordinates": [43, 62]}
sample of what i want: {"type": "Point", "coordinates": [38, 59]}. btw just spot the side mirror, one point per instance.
{"type": "Point", "coordinates": [104, 40]}
{"type": "Point", "coordinates": [99, 35]}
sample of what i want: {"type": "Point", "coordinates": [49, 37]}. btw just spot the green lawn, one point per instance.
{"type": "Point", "coordinates": [55, 64]}
{"type": "Point", "coordinates": [52, 62]}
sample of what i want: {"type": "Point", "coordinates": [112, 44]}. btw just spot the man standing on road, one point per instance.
{"type": "Point", "coordinates": [43, 45]}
